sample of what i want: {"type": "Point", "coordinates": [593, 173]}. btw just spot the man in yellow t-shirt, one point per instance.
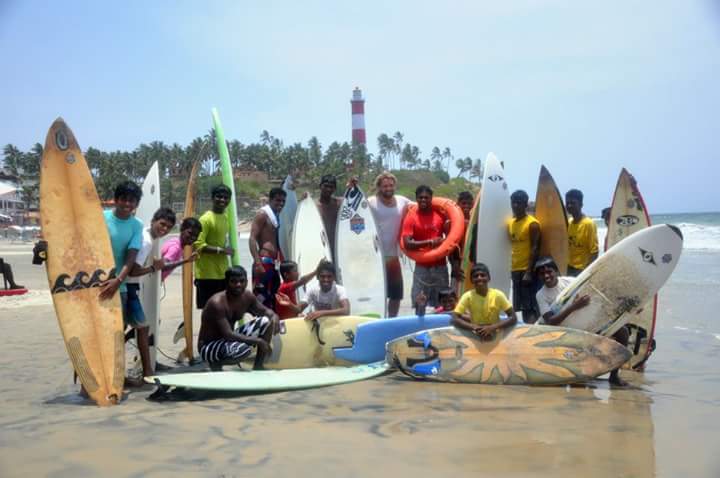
{"type": "Point", "coordinates": [212, 261]}
{"type": "Point", "coordinates": [479, 309]}
{"type": "Point", "coordinates": [524, 232]}
{"type": "Point", "coordinates": [582, 235]}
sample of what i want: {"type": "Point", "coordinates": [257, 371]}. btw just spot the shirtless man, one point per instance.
{"type": "Point", "coordinates": [329, 205]}
{"type": "Point", "coordinates": [218, 344]}
{"type": "Point", "coordinates": [264, 248]}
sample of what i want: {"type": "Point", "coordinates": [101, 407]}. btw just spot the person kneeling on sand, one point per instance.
{"type": "Point", "coordinates": [553, 285]}
{"type": "Point", "coordinates": [479, 309]}
{"type": "Point", "coordinates": [218, 344]}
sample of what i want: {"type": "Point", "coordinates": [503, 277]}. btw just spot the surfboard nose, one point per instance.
{"type": "Point", "coordinates": [676, 230]}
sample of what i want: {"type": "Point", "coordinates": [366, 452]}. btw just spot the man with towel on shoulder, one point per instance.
{"type": "Point", "coordinates": [264, 248]}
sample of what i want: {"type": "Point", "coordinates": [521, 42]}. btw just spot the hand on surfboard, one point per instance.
{"type": "Point", "coordinates": [108, 288]}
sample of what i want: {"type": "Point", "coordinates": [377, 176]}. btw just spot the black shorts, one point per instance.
{"type": "Point", "coordinates": [394, 279]}
{"type": "Point", "coordinates": [524, 293]}
{"type": "Point", "coordinates": [206, 288]}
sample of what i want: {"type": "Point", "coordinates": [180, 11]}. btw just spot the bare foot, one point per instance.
{"type": "Point", "coordinates": [134, 382]}
{"type": "Point", "coordinates": [615, 379]}
{"type": "Point", "coordinates": [17, 286]}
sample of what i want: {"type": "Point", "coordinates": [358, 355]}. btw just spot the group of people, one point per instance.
{"type": "Point", "coordinates": [239, 316]}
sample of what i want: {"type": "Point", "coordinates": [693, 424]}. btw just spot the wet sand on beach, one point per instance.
{"type": "Point", "coordinates": [666, 424]}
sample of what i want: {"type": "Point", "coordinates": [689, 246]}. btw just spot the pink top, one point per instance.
{"type": "Point", "coordinates": [171, 251]}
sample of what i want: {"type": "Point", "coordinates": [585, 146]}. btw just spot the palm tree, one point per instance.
{"type": "Point", "coordinates": [397, 146]}
{"type": "Point", "coordinates": [447, 156]}
{"type": "Point", "coordinates": [477, 170]}
{"type": "Point", "coordinates": [12, 159]}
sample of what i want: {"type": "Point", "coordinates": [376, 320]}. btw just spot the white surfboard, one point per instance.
{"type": "Point", "coordinates": [494, 214]}
{"type": "Point", "coordinates": [309, 243]}
{"type": "Point", "coordinates": [623, 280]}
{"type": "Point", "coordinates": [359, 260]}
{"type": "Point", "coordinates": [150, 283]}
{"type": "Point", "coordinates": [287, 217]}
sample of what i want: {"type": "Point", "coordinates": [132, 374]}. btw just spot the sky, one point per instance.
{"type": "Point", "coordinates": [585, 88]}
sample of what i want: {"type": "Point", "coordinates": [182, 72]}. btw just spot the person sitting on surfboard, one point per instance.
{"type": "Point", "coordinates": [479, 309]}
{"type": "Point", "coordinates": [7, 273]}
{"type": "Point", "coordinates": [211, 243]}
{"type": "Point", "coordinates": [388, 210]}
{"type": "Point", "coordinates": [524, 233]}
{"type": "Point", "coordinates": [582, 235]}
{"type": "Point", "coordinates": [425, 228]}
{"type": "Point", "coordinates": [265, 249]}
{"type": "Point", "coordinates": [172, 249]}
{"type": "Point", "coordinates": [553, 285]}
{"type": "Point", "coordinates": [286, 298]}
{"type": "Point", "coordinates": [325, 297]}
{"type": "Point", "coordinates": [126, 232]}
{"type": "Point", "coordinates": [218, 343]}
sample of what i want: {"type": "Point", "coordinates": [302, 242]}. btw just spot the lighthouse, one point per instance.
{"type": "Point", "coordinates": [358, 117]}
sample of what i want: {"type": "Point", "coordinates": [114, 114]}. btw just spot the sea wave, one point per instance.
{"type": "Point", "coordinates": [700, 237]}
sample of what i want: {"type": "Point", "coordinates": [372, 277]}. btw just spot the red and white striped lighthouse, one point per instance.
{"type": "Point", "coordinates": [358, 117]}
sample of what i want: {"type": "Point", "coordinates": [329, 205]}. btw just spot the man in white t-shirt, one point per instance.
{"type": "Point", "coordinates": [388, 210]}
{"type": "Point", "coordinates": [325, 297]}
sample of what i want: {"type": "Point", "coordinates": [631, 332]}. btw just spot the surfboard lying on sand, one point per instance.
{"type": "Point", "coordinates": [629, 215]}
{"type": "Point", "coordinates": [359, 262]}
{"type": "Point", "coordinates": [271, 380]}
{"type": "Point", "coordinates": [309, 243]}
{"type": "Point", "coordinates": [371, 337]}
{"type": "Point", "coordinates": [302, 344]}
{"type": "Point", "coordinates": [550, 213]}
{"type": "Point", "coordinates": [287, 217]}
{"type": "Point", "coordinates": [79, 259]}
{"type": "Point", "coordinates": [524, 355]}
{"type": "Point", "coordinates": [229, 181]}
{"type": "Point", "coordinates": [623, 280]}
{"type": "Point", "coordinates": [494, 214]}
{"type": "Point", "coordinates": [150, 283]}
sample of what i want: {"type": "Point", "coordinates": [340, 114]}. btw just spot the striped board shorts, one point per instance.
{"type": "Point", "coordinates": [222, 350]}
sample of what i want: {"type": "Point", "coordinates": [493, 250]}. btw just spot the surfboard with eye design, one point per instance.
{"type": "Point", "coordinates": [79, 259]}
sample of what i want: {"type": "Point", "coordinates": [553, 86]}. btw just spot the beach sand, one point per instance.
{"type": "Point", "coordinates": [665, 424]}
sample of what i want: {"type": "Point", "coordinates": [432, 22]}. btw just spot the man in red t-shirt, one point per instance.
{"type": "Point", "coordinates": [425, 229]}
{"type": "Point", "coordinates": [287, 304]}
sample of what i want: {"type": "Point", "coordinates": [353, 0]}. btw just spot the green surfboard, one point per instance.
{"type": "Point", "coordinates": [228, 180]}
{"type": "Point", "coordinates": [271, 380]}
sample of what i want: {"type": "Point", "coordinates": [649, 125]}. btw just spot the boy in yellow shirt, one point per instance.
{"type": "Point", "coordinates": [582, 235]}
{"type": "Point", "coordinates": [479, 309]}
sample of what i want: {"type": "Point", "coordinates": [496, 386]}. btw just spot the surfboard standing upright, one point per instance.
{"type": "Point", "coordinates": [228, 180]}
{"type": "Point", "coordinates": [309, 243]}
{"type": "Point", "coordinates": [494, 214]}
{"type": "Point", "coordinates": [79, 259]}
{"type": "Point", "coordinates": [629, 215]}
{"type": "Point", "coordinates": [359, 261]}
{"type": "Point", "coordinates": [150, 283]}
{"type": "Point", "coordinates": [551, 215]}
{"type": "Point", "coordinates": [187, 268]}
{"type": "Point", "coordinates": [287, 217]}
{"type": "Point", "coordinates": [468, 245]}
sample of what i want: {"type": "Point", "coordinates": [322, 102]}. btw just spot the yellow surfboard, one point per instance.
{"type": "Point", "coordinates": [187, 268]}
{"type": "Point", "coordinates": [525, 355]}
{"type": "Point", "coordinates": [550, 213]}
{"type": "Point", "coordinates": [468, 246]}
{"type": "Point", "coordinates": [303, 344]}
{"type": "Point", "coordinates": [79, 258]}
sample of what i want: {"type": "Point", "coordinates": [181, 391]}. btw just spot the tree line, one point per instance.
{"type": "Point", "coordinates": [270, 155]}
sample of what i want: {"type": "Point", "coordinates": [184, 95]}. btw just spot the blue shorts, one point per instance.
{"type": "Point", "coordinates": [132, 310]}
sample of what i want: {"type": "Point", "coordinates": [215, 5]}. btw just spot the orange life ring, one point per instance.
{"type": "Point", "coordinates": [452, 211]}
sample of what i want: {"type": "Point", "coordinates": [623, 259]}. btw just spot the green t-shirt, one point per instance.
{"type": "Point", "coordinates": [214, 233]}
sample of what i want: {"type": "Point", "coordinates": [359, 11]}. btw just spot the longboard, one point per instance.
{"type": "Point", "coordinates": [550, 213]}
{"type": "Point", "coordinates": [303, 344]}
{"type": "Point", "coordinates": [150, 283]}
{"type": "Point", "coordinates": [371, 337]}
{"type": "Point", "coordinates": [359, 260]}
{"type": "Point", "coordinates": [79, 259]}
{"type": "Point", "coordinates": [229, 181]}
{"type": "Point", "coordinates": [623, 280]}
{"type": "Point", "coordinates": [287, 217]}
{"type": "Point", "coordinates": [270, 380]}
{"type": "Point", "coordinates": [627, 216]}
{"type": "Point", "coordinates": [469, 244]}
{"type": "Point", "coordinates": [494, 214]}
{"type": "Point", "coordinates": [187, 268]}
{"type": "Point", "coordinates": [524, 355]}
{"type": "Point", "coordinates": [310, 242]}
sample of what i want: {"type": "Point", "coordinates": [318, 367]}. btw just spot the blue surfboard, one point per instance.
{"type": "Point", "coordinates": [371, 337]}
